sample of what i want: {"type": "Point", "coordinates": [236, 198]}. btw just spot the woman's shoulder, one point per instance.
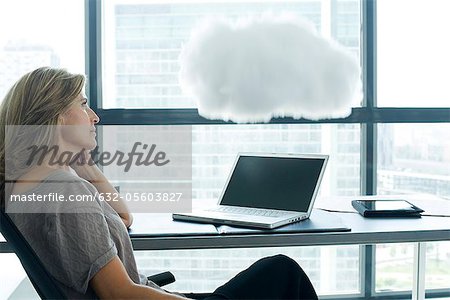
{"type": "Point", "coordinates": [42, 177]}
{"type": "Point", "coordinates": [62, 175]}
{"type": "Point", "coordinates": [57, 192]}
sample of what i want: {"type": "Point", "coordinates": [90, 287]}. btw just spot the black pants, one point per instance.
{"type": "Point", "coordinates": [275, 277]}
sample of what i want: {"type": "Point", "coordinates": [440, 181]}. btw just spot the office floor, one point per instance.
{"type": "Point", "coordinates": [24, 290]}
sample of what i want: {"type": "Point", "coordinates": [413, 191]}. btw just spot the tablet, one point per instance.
{"type": "Point", "coordinates": [386, 208]}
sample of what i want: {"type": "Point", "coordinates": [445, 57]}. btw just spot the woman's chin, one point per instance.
{"type": "Point", "coordinates": [90, 146]}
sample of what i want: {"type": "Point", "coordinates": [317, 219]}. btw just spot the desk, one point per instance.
{"type": "Point", "coordinates": [363, 231]}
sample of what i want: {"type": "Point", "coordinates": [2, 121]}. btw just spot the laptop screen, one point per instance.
{"type": "Point", "coordinates": [285, 183]}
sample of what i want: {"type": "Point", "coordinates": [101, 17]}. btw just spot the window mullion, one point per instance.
{"type": "Point", "coordinates": [93, 53]}
{"type": "Point", "coordinates": [368, 131]}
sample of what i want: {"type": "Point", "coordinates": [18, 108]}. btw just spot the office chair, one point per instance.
{"type": "Point", "coordinates": [42, 281]}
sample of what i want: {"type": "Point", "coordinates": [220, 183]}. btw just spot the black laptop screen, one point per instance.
{"type": "Point", "coordinates": [273, 182]}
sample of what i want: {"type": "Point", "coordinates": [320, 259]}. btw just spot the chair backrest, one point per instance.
{"type": "Point", "coordinates": [42, 281]}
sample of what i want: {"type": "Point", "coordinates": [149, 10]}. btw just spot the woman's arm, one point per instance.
{"type": "Point", "coordinates": [94, 175]}
{"type": "Point", "coordinates": [113, 282]}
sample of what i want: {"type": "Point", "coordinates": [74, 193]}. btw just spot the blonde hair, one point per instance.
{"type": "Point", "coordinates": [38, 98]}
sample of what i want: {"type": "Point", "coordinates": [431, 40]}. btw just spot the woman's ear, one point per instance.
{"type": "Point", "coordinates": [61, 120]}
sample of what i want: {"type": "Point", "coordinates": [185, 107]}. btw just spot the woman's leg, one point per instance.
{"type": "Point", "coordinates": [275, 277]}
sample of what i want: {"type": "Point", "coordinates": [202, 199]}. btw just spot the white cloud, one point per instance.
{"type": "Point", "coordinates": [253, 69]}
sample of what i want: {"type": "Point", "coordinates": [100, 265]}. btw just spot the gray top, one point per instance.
{"type": "Point", "coordinates": [74, 240]}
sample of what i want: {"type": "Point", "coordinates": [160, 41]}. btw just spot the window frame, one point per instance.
{"type": "Point", "coordinates": [368, 116]}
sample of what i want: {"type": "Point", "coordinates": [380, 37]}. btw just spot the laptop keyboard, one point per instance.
{"type": "Point", "coordinates": [248, 211]}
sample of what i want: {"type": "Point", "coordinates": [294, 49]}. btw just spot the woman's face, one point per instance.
{"type": "Point", "coordinates": [80, 130]}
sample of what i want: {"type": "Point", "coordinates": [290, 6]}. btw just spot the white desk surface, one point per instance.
{"type": "Point", "coordinates": [363, 230]}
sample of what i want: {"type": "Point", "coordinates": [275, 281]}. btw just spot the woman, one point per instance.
{"type": "Point", "coordinates": [85, 245]}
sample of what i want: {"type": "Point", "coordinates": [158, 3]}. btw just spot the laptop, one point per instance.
{"type": "Point", "coordinates": [266, 191]}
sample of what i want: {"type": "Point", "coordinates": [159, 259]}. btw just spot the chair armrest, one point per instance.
{"type": "Point", "coordinates": [162, 279]}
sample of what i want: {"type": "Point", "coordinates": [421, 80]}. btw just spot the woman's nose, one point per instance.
{"type": "Point", "coordinates": [95, 119]}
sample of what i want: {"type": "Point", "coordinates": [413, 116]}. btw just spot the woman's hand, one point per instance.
{"type": "Point", "coordinates": [113, 282]}
{"type": "Point", "coordinates": [85, 167]}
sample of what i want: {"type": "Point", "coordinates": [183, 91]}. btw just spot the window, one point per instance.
{"type": "Point", "coordinates": [395, 263]}
{"type": "Point", "coordinates": [412, 51]}
{"type": "Point", "coordinates": [142, 42]}
{"type": "Point", "coordinates": [40, 33]}
{"type": "Point", "coordinates": [335, 272]}
{"type": "Point", "coordinates": [414, 158]}
{"type": "Point", "coordinates": [214, 150]}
